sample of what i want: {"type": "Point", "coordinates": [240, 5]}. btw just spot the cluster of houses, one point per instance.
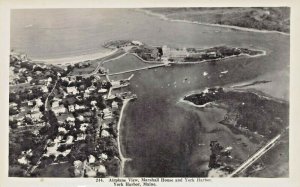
{"type": "Point", "coordinates": [75, 107]}
{"type": "Point", "coordinates": [28, 113]}
{"type": "Point", "coordinates": [91, 167]}
{"type": "Point", "coordinates": [23, 70]}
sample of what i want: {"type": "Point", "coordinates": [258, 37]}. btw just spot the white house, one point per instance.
{"type": "Point", "coordinates": [107, 113]}
{"type": "Point", "coordinates": [72, 90]}
{"type": "Point", "coordinates": [29, 79]}
{"type": "Point", "coordinates": [80, 118]}
{"type": "Point", "coordinates": [44, 89]}
{"type": "Point", "coordinates": [102, 90]}
{"type": "Point", "coordinates": [71, 108]}
{"type": "Point", "coordinates": [83, 127]}
{"type": "Point", "coordinates": [93, 103]}
{"type": "Point", "coordinates": [62, 129]}
{"type": "Point", "coordinates": [114, 105]}
{"type": "Point", "coordinates": [103, 156]}
{"type": "Point", "coordinates": [55, 104]}
{"type": "Point", "coordinates": [92, 159]}
{"type": "Point", "coordinates": [70, 119]}
{"type": "Point", "coordinates": [78, 107]}
{"type": "Point", "coordinates": [59, 110]}
{"type": "Point", "coordinates": [138, 43]}
{"type": "Point", "coordinates": [30, 103]}
{"type": "Point", "coordinates": [49, 81]}
{"type": "Point", "coordinates": [80, 136]}
{"type": "Point", "coordinates": [69, 139]}
{"type": "Point", "coordinates": [100, 169]}
{"type": "Point", "coordinates": [105, 133]}
{"type": "Point", "coordinates": [39, 102]}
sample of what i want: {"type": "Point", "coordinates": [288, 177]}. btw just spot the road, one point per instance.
{"type": "Point", "coordinates": [157, 64]}
{"type": "Point", "coordinates": [255, 156]}
{"type": "Point", "coordinates": [101, 63]}
{"type": "Point", "coordinates": [138, 69]}
{"type": "Point", "coordinates": [46, 101]}
{"type": "Point", "coordinates": [122, 158]}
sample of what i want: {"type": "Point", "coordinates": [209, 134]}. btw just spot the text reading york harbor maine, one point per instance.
{"type": "Point", "coordinates": [150, 181]}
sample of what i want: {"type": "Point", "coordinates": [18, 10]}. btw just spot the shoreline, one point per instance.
{"type": "Point", "coordinates": [264, 53]}
{"type": "Point", "coordinates": [258, 93]}
{"type": "Point", "coordinates": [76, 59]}
{"type": "Point", "coordinates": [122, 158]}
{"type": "Point", "coordinates": [164, 17]}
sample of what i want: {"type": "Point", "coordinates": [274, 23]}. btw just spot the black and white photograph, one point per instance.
{"type": "Point", "coordinates": [149, 92]}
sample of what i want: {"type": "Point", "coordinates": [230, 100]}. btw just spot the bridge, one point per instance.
{"type": "Point", "coordinates": [138, 69]}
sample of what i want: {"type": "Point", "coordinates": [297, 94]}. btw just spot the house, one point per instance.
{"type": "Point", "coordinates": [114, 105]}
{"type": "Point", "coordinates": [33, 110]}
{"type": "Point", "coordinates": [103, 156]}
{"type": "Point", "coordinates": [29, 79]}
{"type": "Point", "coordinates": [69, 139]}
{"type": "Point", "coordinates": [105, 126]}
{"type": "Point", "coordinates": [65, 79]}
{"type": "Point", "coordinates": [23, 160]}
{"type": "Point", "coordinates": [92, 88]}
{"type": "Point", "coordinates": [79, 107]}
{"type": "Point", "coordinates": [86, 95]}
{"type": "Point", "coordinates": [138, 43]}
{"type": "Point", "coordinates": [91, 159]}
{"type": "Point", "coordinates": [212, 54]}
{"type": "Point", "coordinates": [166, 51]}
{"type": "Point", "coordinates": [80, 136]}
{"type": "Point", "coordinates": [44, 89]}
{"type": "Point", "coordinates": [91, 173]}
{"type": "Point", "coordinates": [105, 133]}
{"type": "Point", "coordinates": [83, 127]}
{"type": "Point", "coordinates": [93, 103]}
{"type": "Point", "coordinates": [59, 110]}
{"type": "Point", "coordinates": [102, 90]}
{"type": "Point", "coordinates": [55, 104]}
{"type": "Point", "coordinates": [71, 108]}
{"type": "Point", "coordinates": [107, 114]}
{"type": "Point", "coordinates": [39, 102]}
{"type": "Point", "coordinates": [72, 90]}
{"type": "Point", "coordinates": [30, 103]}
{"type": "Point", "coordinates": [62, 129]}
{"type": "Point", "coordinates": [100, 169]}
{"type": "Point", "coordinates": [80, 118]}
{"type": "Point", "coordinates": [70, 119]}
{"type": "Point", "coordinates": [49, 81]}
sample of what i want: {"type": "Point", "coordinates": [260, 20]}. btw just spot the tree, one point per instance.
{"type": "Point", "coordinates": [13, 124]}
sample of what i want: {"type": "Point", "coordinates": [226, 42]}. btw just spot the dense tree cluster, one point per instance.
{"type": "Point", "coordinates": [257, 114]}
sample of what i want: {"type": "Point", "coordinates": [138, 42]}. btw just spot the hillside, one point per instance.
{"type": "Point", "coordinates": [270, 18]}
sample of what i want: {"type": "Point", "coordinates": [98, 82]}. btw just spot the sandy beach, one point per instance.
{"type": "Point", "coordinates": [76, 59]}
